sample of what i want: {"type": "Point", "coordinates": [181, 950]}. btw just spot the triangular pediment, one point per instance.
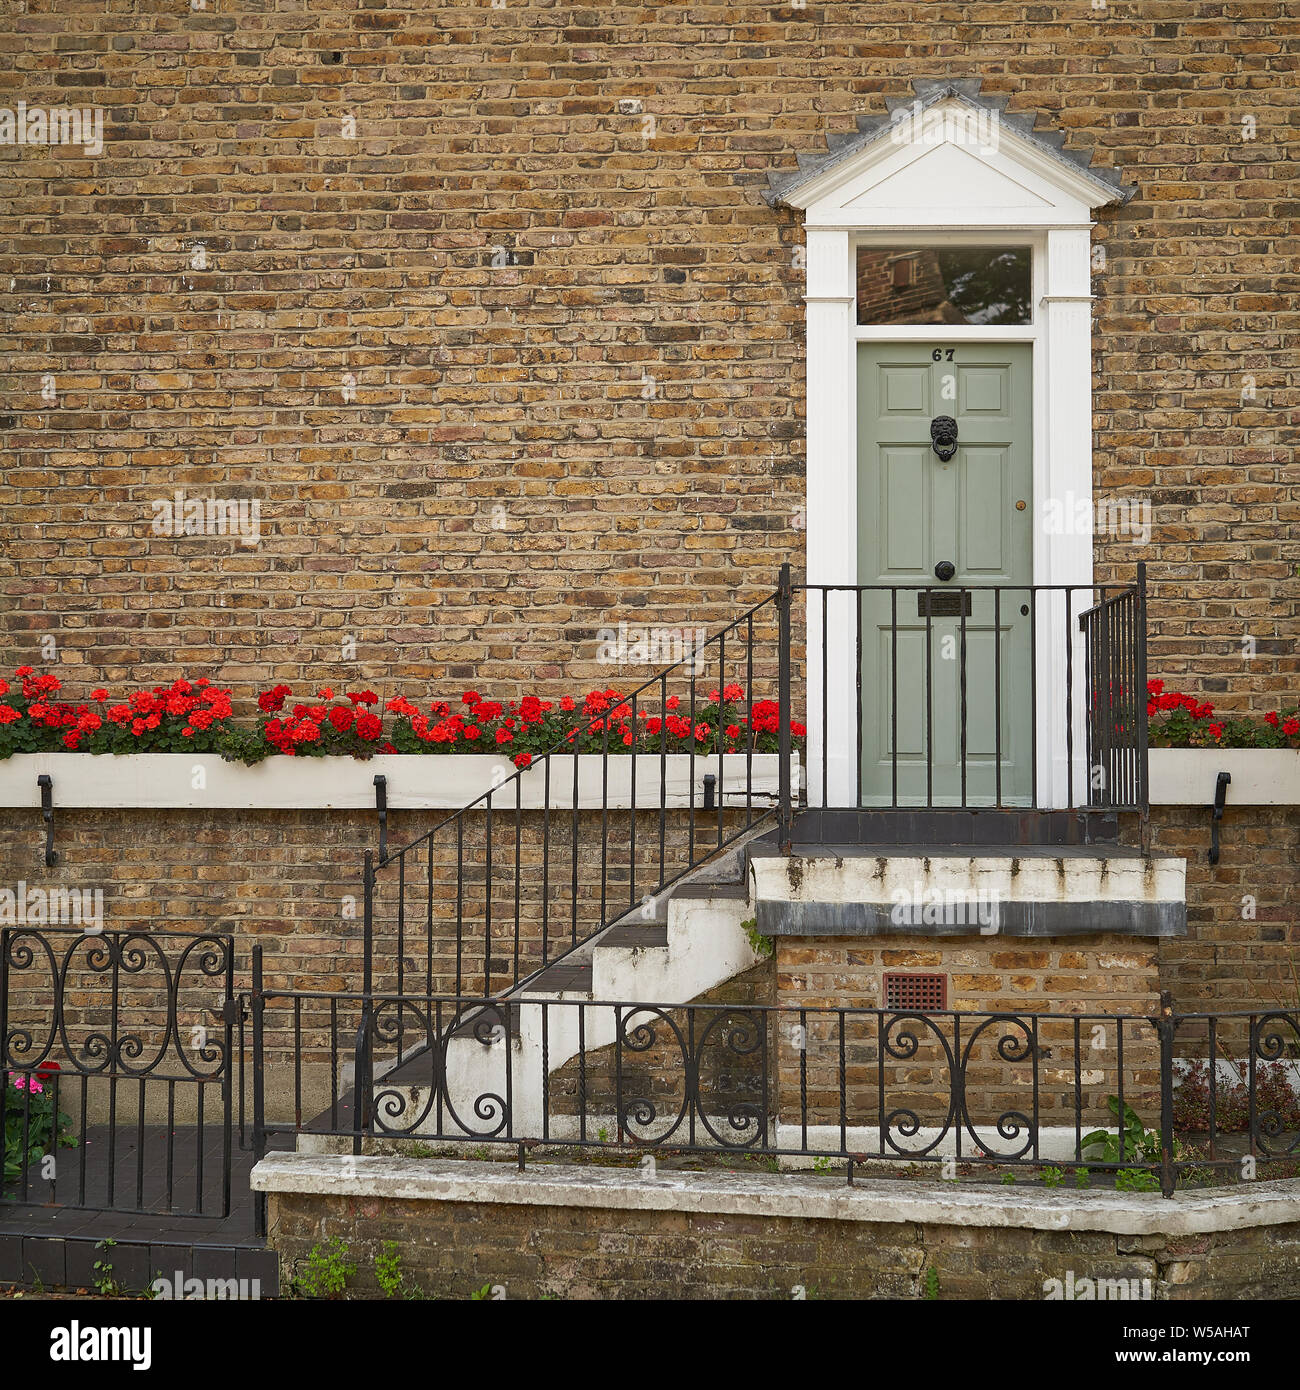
{"type": "Point", "coordinates": [953, 157]}
{"type": "Point", "coordinates": [927, 181]}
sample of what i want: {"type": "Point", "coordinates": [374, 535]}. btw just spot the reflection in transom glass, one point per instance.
{"type": "Point", "coordinates": [938, 284]}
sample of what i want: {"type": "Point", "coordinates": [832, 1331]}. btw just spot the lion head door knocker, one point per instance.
{"type": "Point", "coordinates": [943, 436]}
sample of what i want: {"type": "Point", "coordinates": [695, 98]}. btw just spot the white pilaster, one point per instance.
{"type": "Point", "coordinates": [1063, 482]}
{"type": "Point", "coordinates": [832, 515]}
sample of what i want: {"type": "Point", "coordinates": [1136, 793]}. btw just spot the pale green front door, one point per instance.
{"type": "Point", "coordinates": [974, 511]}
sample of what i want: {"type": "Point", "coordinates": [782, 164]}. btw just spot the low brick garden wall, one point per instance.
{"type": "Point", "coordinates": [584, 1233]}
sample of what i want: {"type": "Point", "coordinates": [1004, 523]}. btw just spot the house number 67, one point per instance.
{"type": "Point", "coordinates": [942, 354]}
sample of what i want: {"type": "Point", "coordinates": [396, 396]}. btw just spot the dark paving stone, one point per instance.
{"type": "Point", "coordinates": [79, 1263]}
{"type": "Point", "coordinates": [44, 1260]}
{"type": "Point", "coordinates": [178, 1213]}
{"type": "Point", "coordinates": [149, 1243]}
{"type": "Point", "coordinates": [262, 1265]}
{"type": "Point", "coordinates": [214, 1262]}
{"type": "Point", "coordinates": [167, 1259]}
{"type": "Point", "coordinates": [130, 1262]}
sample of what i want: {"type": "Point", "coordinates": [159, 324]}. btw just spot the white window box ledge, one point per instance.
{"type": "Point", "coordinates": [1260, 776]}
{"type": "Point", "coordinates": [187, 781]}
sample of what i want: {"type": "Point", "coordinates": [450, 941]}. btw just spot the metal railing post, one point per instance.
{"type": "Point", "coordinates": [259, 1094]}
{"type": "Point", "coordinates": [1140, 694]}
{"type": "Point", "coordinates": [361, 1087]}
{"type": "Point", "coordinates": [785, 811]}
{"type": "Point", "coordinates": [1105, 698]}
{"type": "Point", "coordinates": [1166, 1026]}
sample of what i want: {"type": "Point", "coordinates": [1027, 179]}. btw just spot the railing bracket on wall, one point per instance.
{"type": "Point", "coordinates": [46, 783]}
{"type": "Point", "coordinates": [381, 806]}
{"type": "Point", "coordinates": [1220, 796]}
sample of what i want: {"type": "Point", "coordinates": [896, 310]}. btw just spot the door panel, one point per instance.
{"type": "Point", "coordinates": [936, 684]}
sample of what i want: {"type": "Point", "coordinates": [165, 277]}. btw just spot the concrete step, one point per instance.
{"type": "Point", "coordinates": [967, 889]}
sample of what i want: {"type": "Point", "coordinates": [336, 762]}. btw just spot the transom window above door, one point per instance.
{"type": "Point", "coordinates": [944, 284]}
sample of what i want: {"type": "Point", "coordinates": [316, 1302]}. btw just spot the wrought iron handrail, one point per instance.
{"type": "Point", "coordinates": [467, 874]}
{"type": "Point", "coordinates": [456, 832]}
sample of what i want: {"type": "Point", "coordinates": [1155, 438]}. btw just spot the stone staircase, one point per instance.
{"type": "Point", "coordinates": [679, 945]}
{"type": "Point", "coordinates": [1045, 875]}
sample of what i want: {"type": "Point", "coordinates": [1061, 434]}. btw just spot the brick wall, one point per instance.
{"type": "Point", "coordinates": [1242, 948]}
{"type": "Point", "coordinates": [900, 1065]}
{"type": "Point", "coordinates": [504, 362]}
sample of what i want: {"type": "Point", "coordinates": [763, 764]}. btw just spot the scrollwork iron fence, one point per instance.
{"type": "Point", "coordinates": [115, 1069]}
{"type": "Point", "coordinates": [811, 1085]}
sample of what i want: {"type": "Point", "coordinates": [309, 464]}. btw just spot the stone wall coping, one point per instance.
{"type": "Point", "coordinates": [796, 1195]}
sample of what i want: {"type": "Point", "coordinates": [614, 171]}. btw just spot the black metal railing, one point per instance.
{"type": "Point", "coordinates": [115, 1069]}
{"type": "Point", "coordinates": [1115, 640]}
{"type": "Point", "coordinates": [1098, 1092]}
{"type": "Point", "coordinates": [933, 695]}
{"type": "Point", "coordinates": [921, 695]}
{"type": "Point", "coordinates": [485, 900]}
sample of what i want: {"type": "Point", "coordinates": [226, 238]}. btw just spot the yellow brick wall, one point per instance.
{"type": "Point", "coordinates": [499, 261]}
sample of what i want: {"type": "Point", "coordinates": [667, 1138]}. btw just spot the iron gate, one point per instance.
{"type": "Point", "coordinates": [115, 1069]}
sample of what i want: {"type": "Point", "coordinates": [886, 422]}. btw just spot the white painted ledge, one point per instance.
{"type": "Point", "coordinates": [1260, 776]}
{"type": "Point", "coordinates": [777, 1194]}
{"type": "Point", "coordinates": [417, 782]}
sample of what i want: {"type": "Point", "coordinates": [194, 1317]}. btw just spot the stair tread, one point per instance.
{"type": "Point", "coordinates": [738, 892]}
{"type": "Point", "coordinates": [556, 978]}
{"type": "Point", "coordinates": [624, 934]}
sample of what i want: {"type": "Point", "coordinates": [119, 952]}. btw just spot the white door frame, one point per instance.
{"type": "Point", "coordinates": [850, 206]}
